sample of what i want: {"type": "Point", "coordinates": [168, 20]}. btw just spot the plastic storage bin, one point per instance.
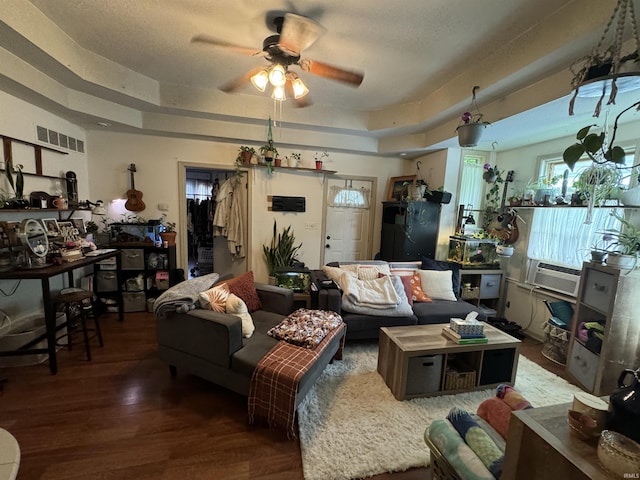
{"type": "Point", "coordinates": [134, 302]}
{"type": "Point", "coordinates": [23, 331]}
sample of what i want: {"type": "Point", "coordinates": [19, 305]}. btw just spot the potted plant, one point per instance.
{"type": "Point", "coordinates": [471, 124]}
{"type": "Point", "coordinates": [623, 245]}
{"type": "Point", "coordinates": [17, 185]}
{"type": "Point", "coordinates": [245, 154]}
{"type": "Point", "coordinates": [168, 235]}
{"type": "Point", "coordinates": [268, 151]}
{"type": "Point", "coordinates": [281, 252]}
{"type": "Point", "coordinates": [438, 196]}
{"type": "Point", "coordinates": [319, 157]}
{"type": "Point", "coordinates": [294, 159]}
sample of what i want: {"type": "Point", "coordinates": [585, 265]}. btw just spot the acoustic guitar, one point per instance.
{"type": "Point", "coordinates": [504, 226]}
{"type": "Point", "coordinates": [134, 201]}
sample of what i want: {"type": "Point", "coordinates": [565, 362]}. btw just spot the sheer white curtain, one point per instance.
{"type": "Point", "coordinates": [198, 188]}
{"type": "Point", "coordinates": [559, 235]}
{"type": "Point", "coordinates": [349, 197]}
{"type": "Point", "coordinates": [471, 183]}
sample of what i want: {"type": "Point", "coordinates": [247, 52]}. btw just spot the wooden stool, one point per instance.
{"type": "Point", "coordinates": [77, 298]}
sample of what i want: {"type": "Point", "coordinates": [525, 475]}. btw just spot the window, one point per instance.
{"type": "Point", "coordinates": [565, 235]}
{"type": "Point", "coordinates": [471, 183]}
{"type": "Point", "coordinates": [349, 197]}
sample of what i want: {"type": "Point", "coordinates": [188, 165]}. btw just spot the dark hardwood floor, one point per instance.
{"type": "Point", "coordinates": [121, 416]}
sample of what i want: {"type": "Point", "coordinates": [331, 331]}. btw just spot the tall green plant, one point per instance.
{"type": "Point", "coordinates": [18, 184]}
{"type": "Point", "coordinates": [282, 251]}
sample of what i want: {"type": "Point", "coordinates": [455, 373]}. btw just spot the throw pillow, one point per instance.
{"type": "Point", "coordinates": [430, 264]}
{"type": "Point", "coordinates": [370, 272]}
{"type": "Point", "coordinates": [244, 287]}
{"type": "Point", "coordinates": [235, 306]}
{"type": "Point", "coordinates": [417, 293]}
{"type": "Point", "coordinates": [406, 284]}
{"type": "Point", "coordinates": [437, 284]}
{"type": "Point", "coordinates": [214, 299]}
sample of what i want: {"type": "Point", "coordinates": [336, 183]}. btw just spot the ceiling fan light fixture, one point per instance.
{"type": "Point", "coordinates": [260, 80]}
{"type": "Point", "coordinates": [299, 88]}
{"type": "Point", "coordinates": [278, 94]}
{"type": "Point", "coordinates": [277, 75]}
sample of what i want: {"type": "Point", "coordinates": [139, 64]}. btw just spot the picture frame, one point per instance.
{"type": "Point", "coordinates": [79, 224]}
{"type": "Point", "coordinates": [51, 226]}
{"type": "Point", "coordinates": [396, 187]}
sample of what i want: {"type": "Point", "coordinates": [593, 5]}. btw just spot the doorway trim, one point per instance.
{"type": "Point", "coordinates": [182, 206]}
{"type": "Point", "coordinates": [373, 209]}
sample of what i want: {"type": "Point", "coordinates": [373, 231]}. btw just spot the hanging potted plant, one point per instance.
{"type": "Point", "coordinates": [471, 125]}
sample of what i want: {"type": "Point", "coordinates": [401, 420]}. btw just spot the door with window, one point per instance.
{"type": "Point", "coordinates": [348, 220]}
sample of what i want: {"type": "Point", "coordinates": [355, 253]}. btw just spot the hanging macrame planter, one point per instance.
{"type": "Point", "coordinates": [471, 125]}
{"type": "Point", "coordinates": [605, 71]}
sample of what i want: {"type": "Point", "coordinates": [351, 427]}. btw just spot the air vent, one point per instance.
{"type": "Point", "coordinates": [59, 140]}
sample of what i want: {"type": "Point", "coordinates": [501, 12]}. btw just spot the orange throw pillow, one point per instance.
{"type": "Point", "coordinates": [416, 289]}
{"type": "Point", "coordinates": [244, 287]}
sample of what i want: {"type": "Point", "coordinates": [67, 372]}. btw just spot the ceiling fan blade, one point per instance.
{"type": "Point", "coordinates": [239, 82]}
{"type": "Point", "coordinates": [209, 40]}
{"type": "Point", "coordinates": [299, 33]}
{"type": "Point", "coordinates": [350, 77]}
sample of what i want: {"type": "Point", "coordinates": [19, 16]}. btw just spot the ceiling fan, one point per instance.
{"type": "Point", "coordinates": [295, 33]}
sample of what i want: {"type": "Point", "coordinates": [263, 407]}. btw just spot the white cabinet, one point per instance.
{"type": "Point", "coordinates": [610, 297]}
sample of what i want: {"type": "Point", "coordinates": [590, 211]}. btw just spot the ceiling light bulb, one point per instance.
{"type": "Point", "coordinates": [260, 80]}
{"type": "Point", "coordinates": [299, 88]}
{"type": "Point", "coordinates": [277, 76]}
{"type": "Point", "coordinates": [278, 94]}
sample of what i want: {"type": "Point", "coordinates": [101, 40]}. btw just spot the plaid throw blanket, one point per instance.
{"type": "Point", "coordinates": [274, 385]}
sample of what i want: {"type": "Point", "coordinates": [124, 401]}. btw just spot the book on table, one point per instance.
{"type": "Point", "coordinates": [464, 338]}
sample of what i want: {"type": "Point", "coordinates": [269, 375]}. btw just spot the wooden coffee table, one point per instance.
{"type": "Point", "coordinates": [418, 361]}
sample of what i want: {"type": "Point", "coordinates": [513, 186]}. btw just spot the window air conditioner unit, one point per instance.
{"type": "Point", "coordinates": [554, 277]}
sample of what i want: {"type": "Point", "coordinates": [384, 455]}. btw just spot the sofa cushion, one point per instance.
{"type": "Point", "coordinates": [244, 287]}
{"type": "Point", "coordinates": [430, 264]}
{"type": "Point", "coordinates": [417, 293]}
{"type": "Point", "coordinates": [357, 322]}
{"type": "Point", "coordinates": [437, 284]}
{"type": "Point", "coordinates": [441, 311]}
{"type": "Point", "coordinates": [235, 306]}
{"type": "Point", "coordinates": [406, 283]}
{"type": "Point", "coordinates": [215, 298]}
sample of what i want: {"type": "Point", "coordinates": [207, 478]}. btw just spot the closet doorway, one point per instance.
{"type": "Point", "coordinates": [207, 250]}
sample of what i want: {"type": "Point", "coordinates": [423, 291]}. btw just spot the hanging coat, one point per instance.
{"type": "Point", "coordinates": [229, 218]}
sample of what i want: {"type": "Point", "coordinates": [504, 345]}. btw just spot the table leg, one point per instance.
{"type": "Point", "coordinates": [50, 324]}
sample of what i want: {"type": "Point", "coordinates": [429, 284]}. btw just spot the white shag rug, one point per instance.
{"type": "Point", "coordinates": [351, 425]}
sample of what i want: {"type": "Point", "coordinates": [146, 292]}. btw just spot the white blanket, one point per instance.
{"type": "Point", "coordinates": [378, 293]}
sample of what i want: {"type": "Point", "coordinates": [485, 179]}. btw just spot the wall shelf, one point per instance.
{"type": "Point", "coordinates": [300, 169]}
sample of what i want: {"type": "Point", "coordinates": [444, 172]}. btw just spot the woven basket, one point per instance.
{"type": "Point", "coordinates": [441, 469]}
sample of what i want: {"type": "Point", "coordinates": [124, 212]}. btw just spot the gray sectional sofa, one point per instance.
{"type": "Point", "coordinates": [364, 326]}
{"type": "Point", "coordinates": [210, 345]}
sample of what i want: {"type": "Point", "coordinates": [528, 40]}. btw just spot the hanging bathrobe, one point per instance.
{"type": "Point", "coordinates": [228, 219]}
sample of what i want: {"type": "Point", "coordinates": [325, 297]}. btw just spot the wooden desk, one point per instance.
{"type": "Point", "coordinates": [44, 274]}
{"type": "Point", "coordinates": [541, 446]}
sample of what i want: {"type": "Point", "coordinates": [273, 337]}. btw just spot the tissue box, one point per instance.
{"type": "Point", "coordinates": [467, 327]}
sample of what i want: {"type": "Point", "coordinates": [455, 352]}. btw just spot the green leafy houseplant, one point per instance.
{"type": "Point", "coordinates": [244, 155]}
{"type": "Point", "coordinates": [18, 184]}
{"type": "Point", "coordinates": [626, 241]}
{"type": "Point", "coordinates": [281, 252]}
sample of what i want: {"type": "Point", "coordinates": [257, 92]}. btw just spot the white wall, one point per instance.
{"type": "Point", "coordinates": [19, 120]}
{"type": "Point", "coordinates": [156, 159]}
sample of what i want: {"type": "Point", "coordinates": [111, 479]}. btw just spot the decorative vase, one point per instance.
{"type": "Point", "coordinates": [168, 237]}
{"type": "Point", "coordinates": [469, 134]}
{"type": "Point", "coordinates": [318, 164]}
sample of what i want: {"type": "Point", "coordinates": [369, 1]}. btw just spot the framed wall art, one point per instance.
{"type": "Point", "coordinates": [397, 188]}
